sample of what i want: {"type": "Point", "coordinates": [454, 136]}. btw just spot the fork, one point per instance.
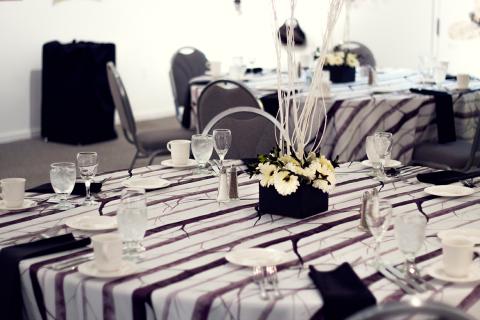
{"type": "Point", "coordinates": [259, 278]}
{"type": "Point", "coordinates": [272, 280]}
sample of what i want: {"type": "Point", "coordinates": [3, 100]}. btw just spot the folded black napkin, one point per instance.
{"type": "Point", "coordinates": [342, 291]}
{"type": "Point", "coordinates": [78, 190]}
{"type": "Point", "coordinates": [10, 257]}
{"type": "Point", "coordinates": [254, 70]}
{"type": "Point", "coordinates": [446, 176]}
{"type": "Point", "coordinates": [444, 114]}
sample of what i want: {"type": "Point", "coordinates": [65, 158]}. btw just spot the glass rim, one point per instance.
{"type": "Point", "coordinates": [87, 153]}
{"type": "Point", "coordinates": [221, 130]}
{"type": "Point", "coordinates": [206, 135]}
{"type": "Point", "coordinates": [62, 164]}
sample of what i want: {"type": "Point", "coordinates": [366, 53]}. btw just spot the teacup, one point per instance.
{"type": "Point", "coordinates": [180, 151]}
{"type": "Point", "coordinates": [13, 191]}
{"type": "Point", "coordinates": [463, 81]}
{"type": "Point", "coordinates": [457, 255]}
{"type": "Point", "coordinates": [107, 251]}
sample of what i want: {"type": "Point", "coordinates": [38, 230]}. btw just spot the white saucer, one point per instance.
{"type": "Point", "coordinates": [89, 269]}
{"type": "Point", "coordinates": [436, 271]}
{"type": "Point", "coordinates": [169, 163]}
{"type": "Point", "coordinates": [146, 183]}
{"type": "Point", "coordinates": [257, 257]}
{"type": "Point", "coordinates": [472, 234]}
{"type": "Point", "coordinates": [449, 191]}
{"type": "Point", "coordinates": [389, 163]}
{"type": "Point", "coordinates": [27, 204]}
{"type": "Point", "coordinates": [92, 223]}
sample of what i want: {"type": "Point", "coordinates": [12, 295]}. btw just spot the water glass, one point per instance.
{"type": "Point", "coordinates": [373, 157]}
{"type": "Point", "coordinates": [87, 165]}
{"type": "Point", "coordinates": [378, 214]}
{"type": "Point", "coordinates": [440, 73]}
{"type": "Point", "coordinates": [383, 142]}
{"type": "Point", "coordinates": [62, 177]}
{"type": "Point", "coordinates": [222, 139]}
{"type": "Point", "coordinates": [410, 234]}
{"type": "Point", "coordinates": [202, 148]}
{"type": "Point", "coordinates": [132, 220]}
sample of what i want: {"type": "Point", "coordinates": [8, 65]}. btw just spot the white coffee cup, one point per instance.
{"type": "Point", "coordinates": [463, 81]}
{"type": "Point", "coordinates": [13, 191]}
{"type": "Point", "coordinates": [179, 150]}
{"type": "Point", "coordinates": [215, 68]}
{"type": "Point", "coordinates": [457, 255]}
{"type": "Point", "coordinates": [107, 251]}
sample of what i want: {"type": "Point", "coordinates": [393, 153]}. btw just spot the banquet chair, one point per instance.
{"type": "Point", "coordinates": [186, 64]}
{"type": "Point", "coordinates": [364, 54]}
{"type": "Point", "coordinates": [254, 131]}
{"type": "Point", "coordinates": [221, 95]}
{"type": "Point", "coordinates": [148, 143]}
{"type": "Point", "coordinates": [414, 309]}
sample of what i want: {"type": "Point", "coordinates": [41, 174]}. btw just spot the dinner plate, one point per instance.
{"type": "Point", "coordinates": [388, 164]}
{"type": "Point", "coordinates": [436, 271]}
{"type": "Point", "coordinates": [472, 234]}
{"type": "Point", "coordinates": [146, 183]}
{"type": "Point", "coordinates": [92, 223]}
{"type": "Point", "coordinates": [257, 257]}
{"type": "Point", "coordinates": [89, 269]}
{"type": "Point", "coordinates": [169, 163]}
{"type": "Point", "coordinates": [449, 191]}
{"type": "Point", "coordinates": [27, 204]}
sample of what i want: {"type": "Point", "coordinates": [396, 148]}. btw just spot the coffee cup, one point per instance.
{"type": "Point", "coordinates": [463, 81]}
{"type": "Point", "coordinates": [215, 68]}
{"type": "Point", "coordinates": [13, 191]}
{"type": "Point", "coordinates": [107, 251]}
{"type": "Point", "coordinates": [457, 256]}
{"type": "Point", "coordinates": [179, 150]}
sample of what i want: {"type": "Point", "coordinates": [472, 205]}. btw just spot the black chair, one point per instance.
{"type": "Point", "coordinates": [364, 54]}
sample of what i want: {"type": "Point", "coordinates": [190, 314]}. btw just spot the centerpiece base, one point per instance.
{"type": "Point", "coordinates": [305, 202]}
{"type": "Point", "coordinates": [341, 74]}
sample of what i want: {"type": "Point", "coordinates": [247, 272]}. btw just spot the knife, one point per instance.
{"type": "Point", "coordinates": [401, 276]}
{"type": "Point", "coordinates": [393, 279]}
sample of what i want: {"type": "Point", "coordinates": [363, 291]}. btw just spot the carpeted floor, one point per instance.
{"type": "Point", "coordinates": [32, 158]}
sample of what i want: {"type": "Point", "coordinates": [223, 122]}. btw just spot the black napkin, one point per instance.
{"type": "Point", "coordinates": [446, 176]}
{"type": "Point", "coordinates": [10, 257]}
{"type": "Point", "coordinates": [254, 70]}
{"type": "Point", "coordinates": [342, 291]}
{"type": "Point", "coordinates": [78, 190]}
{"type": "Point", "coordinates": [444, 114]}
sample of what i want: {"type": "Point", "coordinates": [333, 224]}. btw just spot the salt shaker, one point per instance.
{"type": "Point", "coordinates": [372, 76]}
{"type": "Point", "coordinates": [223, 194]}
{"type": "Point", "coordinates": [233, 183]}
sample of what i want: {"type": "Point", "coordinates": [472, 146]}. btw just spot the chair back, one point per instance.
{"type": "Point", "coordinates": [186, 64]}
{"type": "Point", "coordinates": [222, 95]}
{"type": "Point", "coordinates": [475, 148]}
{"type": "Point", "coordinates": [122, 104]}
{"type": "Point", "coordinates": [253, 131]}
{"type": "Point", "coordinates": [364, 54]}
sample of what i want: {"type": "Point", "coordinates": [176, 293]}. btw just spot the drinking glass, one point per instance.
{"type": "Point", "coordinates": [202, 148]}
{"type": "Point", "coordinates": [132, 220]}
{"type": "Point", "coordinates": [410, 234]}
{"type": "Point", "coordinates": [383, 142]}
{"type": "Point", "coordinates": [87, 165]}
{"type": "Point", "coordinates": [62, 178]}
{"type": "Point", "coordinates": [440, 73]}
{"type": "Point", "coordinates": [373, 157]}
{"type": "Point", "coordinates": [378, 214]}
{"type": "Point", "coordinates": [222, 141]}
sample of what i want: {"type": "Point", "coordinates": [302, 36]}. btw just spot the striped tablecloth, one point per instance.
{"type": "Point", "coordinates": [184, 274]}
{"type": "Point", "coordinates": [356, 110]}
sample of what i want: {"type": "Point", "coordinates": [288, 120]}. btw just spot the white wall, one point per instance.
{"type": "Point", "coordinates": [147, 33]}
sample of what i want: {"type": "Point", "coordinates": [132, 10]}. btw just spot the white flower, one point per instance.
{"type": "Point", "coordinates": [322, 185]}
{"type": "Point", "coordinates": [340, 54]}
{"type": "Point", "coordinates": [286, 159]}
{"type": "Point", "coordinates": [294, 168]}
{"type": "Point", "coordinates": [352, 60]}
{"type": "Point", "coordinates": [268, 171]}
{"type": "Point", "coordinates": [309, 173]}
{"type": "Point", "coordinates": [285, 183]}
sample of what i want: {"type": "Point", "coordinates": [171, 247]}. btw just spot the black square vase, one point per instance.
{"type": "Point", "coordinates": [341, 74]}
{"type": "Point", "coordinates": [305, 202]}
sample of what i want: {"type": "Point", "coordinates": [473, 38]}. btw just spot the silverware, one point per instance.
{"type": "Point", "coordinates": [272, 280]}
{"type": "Point", "coordinates": [395, 280]}
{"type": "Point", "coordinates": [75, 262]}
{"type": "Point", "coordinates": [259, 278]}
{"type": "Point", "coordinates": [404, 277]}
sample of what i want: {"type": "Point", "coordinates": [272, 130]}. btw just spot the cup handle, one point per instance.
{"type": "Point", "coordinates": [168, 146]}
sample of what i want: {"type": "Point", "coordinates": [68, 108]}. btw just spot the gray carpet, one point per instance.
{"type": "Point", "coordinates": [31, 158]}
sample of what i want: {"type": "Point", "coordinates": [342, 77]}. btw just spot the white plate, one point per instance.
{"type": "Point", "coordinates": [146, 183]}
{"type": "Point", "coordinates": [169, 163]}
{"type": "Point", "coordinates": [27, 204]}
{"type": "Point", "coordinates": [436, 271]}
{"type": "Point", "coordinates": [257, 257]}
{"type": "Point", "coordinates": [449, 191]}
{"type": "Point", "coordinates": [389, 164]}
{"type": "Point", "coordinates": [92, 223]}
{"type": "Point", "coordinates": [89, 269]}
{"type": "Point", "coordinates": [472, 234]}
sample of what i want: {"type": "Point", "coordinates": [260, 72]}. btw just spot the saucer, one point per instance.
{"type": "Point", "coordinates": [89, 269]}
{"type": "Point", "coordinates": [92, 223]}
{"type": "Point", "coordinates": [388, 164]}
{"type": "Point", "coordinates": [472, 234]}
{"type": "Point", "coordinates": [257, 257]}
{"type": "Point", "coordinates": [169, 163]}
{"type": "Point", "coordinates": [27, 204]}
{"type": "Point", "coordinates": [436, 271]}
{"type": "Point", "coordinates": [146, 183]}
{"type": "Point", "coordinates": [449, 191]}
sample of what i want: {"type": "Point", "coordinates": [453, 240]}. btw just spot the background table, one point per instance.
{"type": "Point", "coordinates": [184, 274]}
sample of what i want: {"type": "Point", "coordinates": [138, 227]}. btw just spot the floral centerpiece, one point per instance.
{"type": "Point", "coordinates": [341, 65]}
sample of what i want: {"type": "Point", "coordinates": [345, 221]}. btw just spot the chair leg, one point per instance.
{"type": "Point", "coordinates": [133, 160]}
{"type": "Point", "coordinates": [152, 157]}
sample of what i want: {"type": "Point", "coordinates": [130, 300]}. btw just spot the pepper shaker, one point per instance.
{"type": "Point", "coordinates": [233, 183]}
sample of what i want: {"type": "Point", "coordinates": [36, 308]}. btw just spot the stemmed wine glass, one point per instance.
{"type": "Point", "coordinates": [132, 219]}
{"type": "Point", "coordinates": [222, 141]}
{"type": "Point", "coordinates": [410, 234]}
{"type": "Point", "coordinates": [372, 155]}
{"type": "Point", "coordinates": [378, 214]}
{"type": "Point", "coordinates": [202, 148]}
{"type": "Point", "coordinates": [62, 178]}
{"type": "Point", "coordinates": [382, 142]}
{"type": "Point", "coordinates": [87, 165]}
